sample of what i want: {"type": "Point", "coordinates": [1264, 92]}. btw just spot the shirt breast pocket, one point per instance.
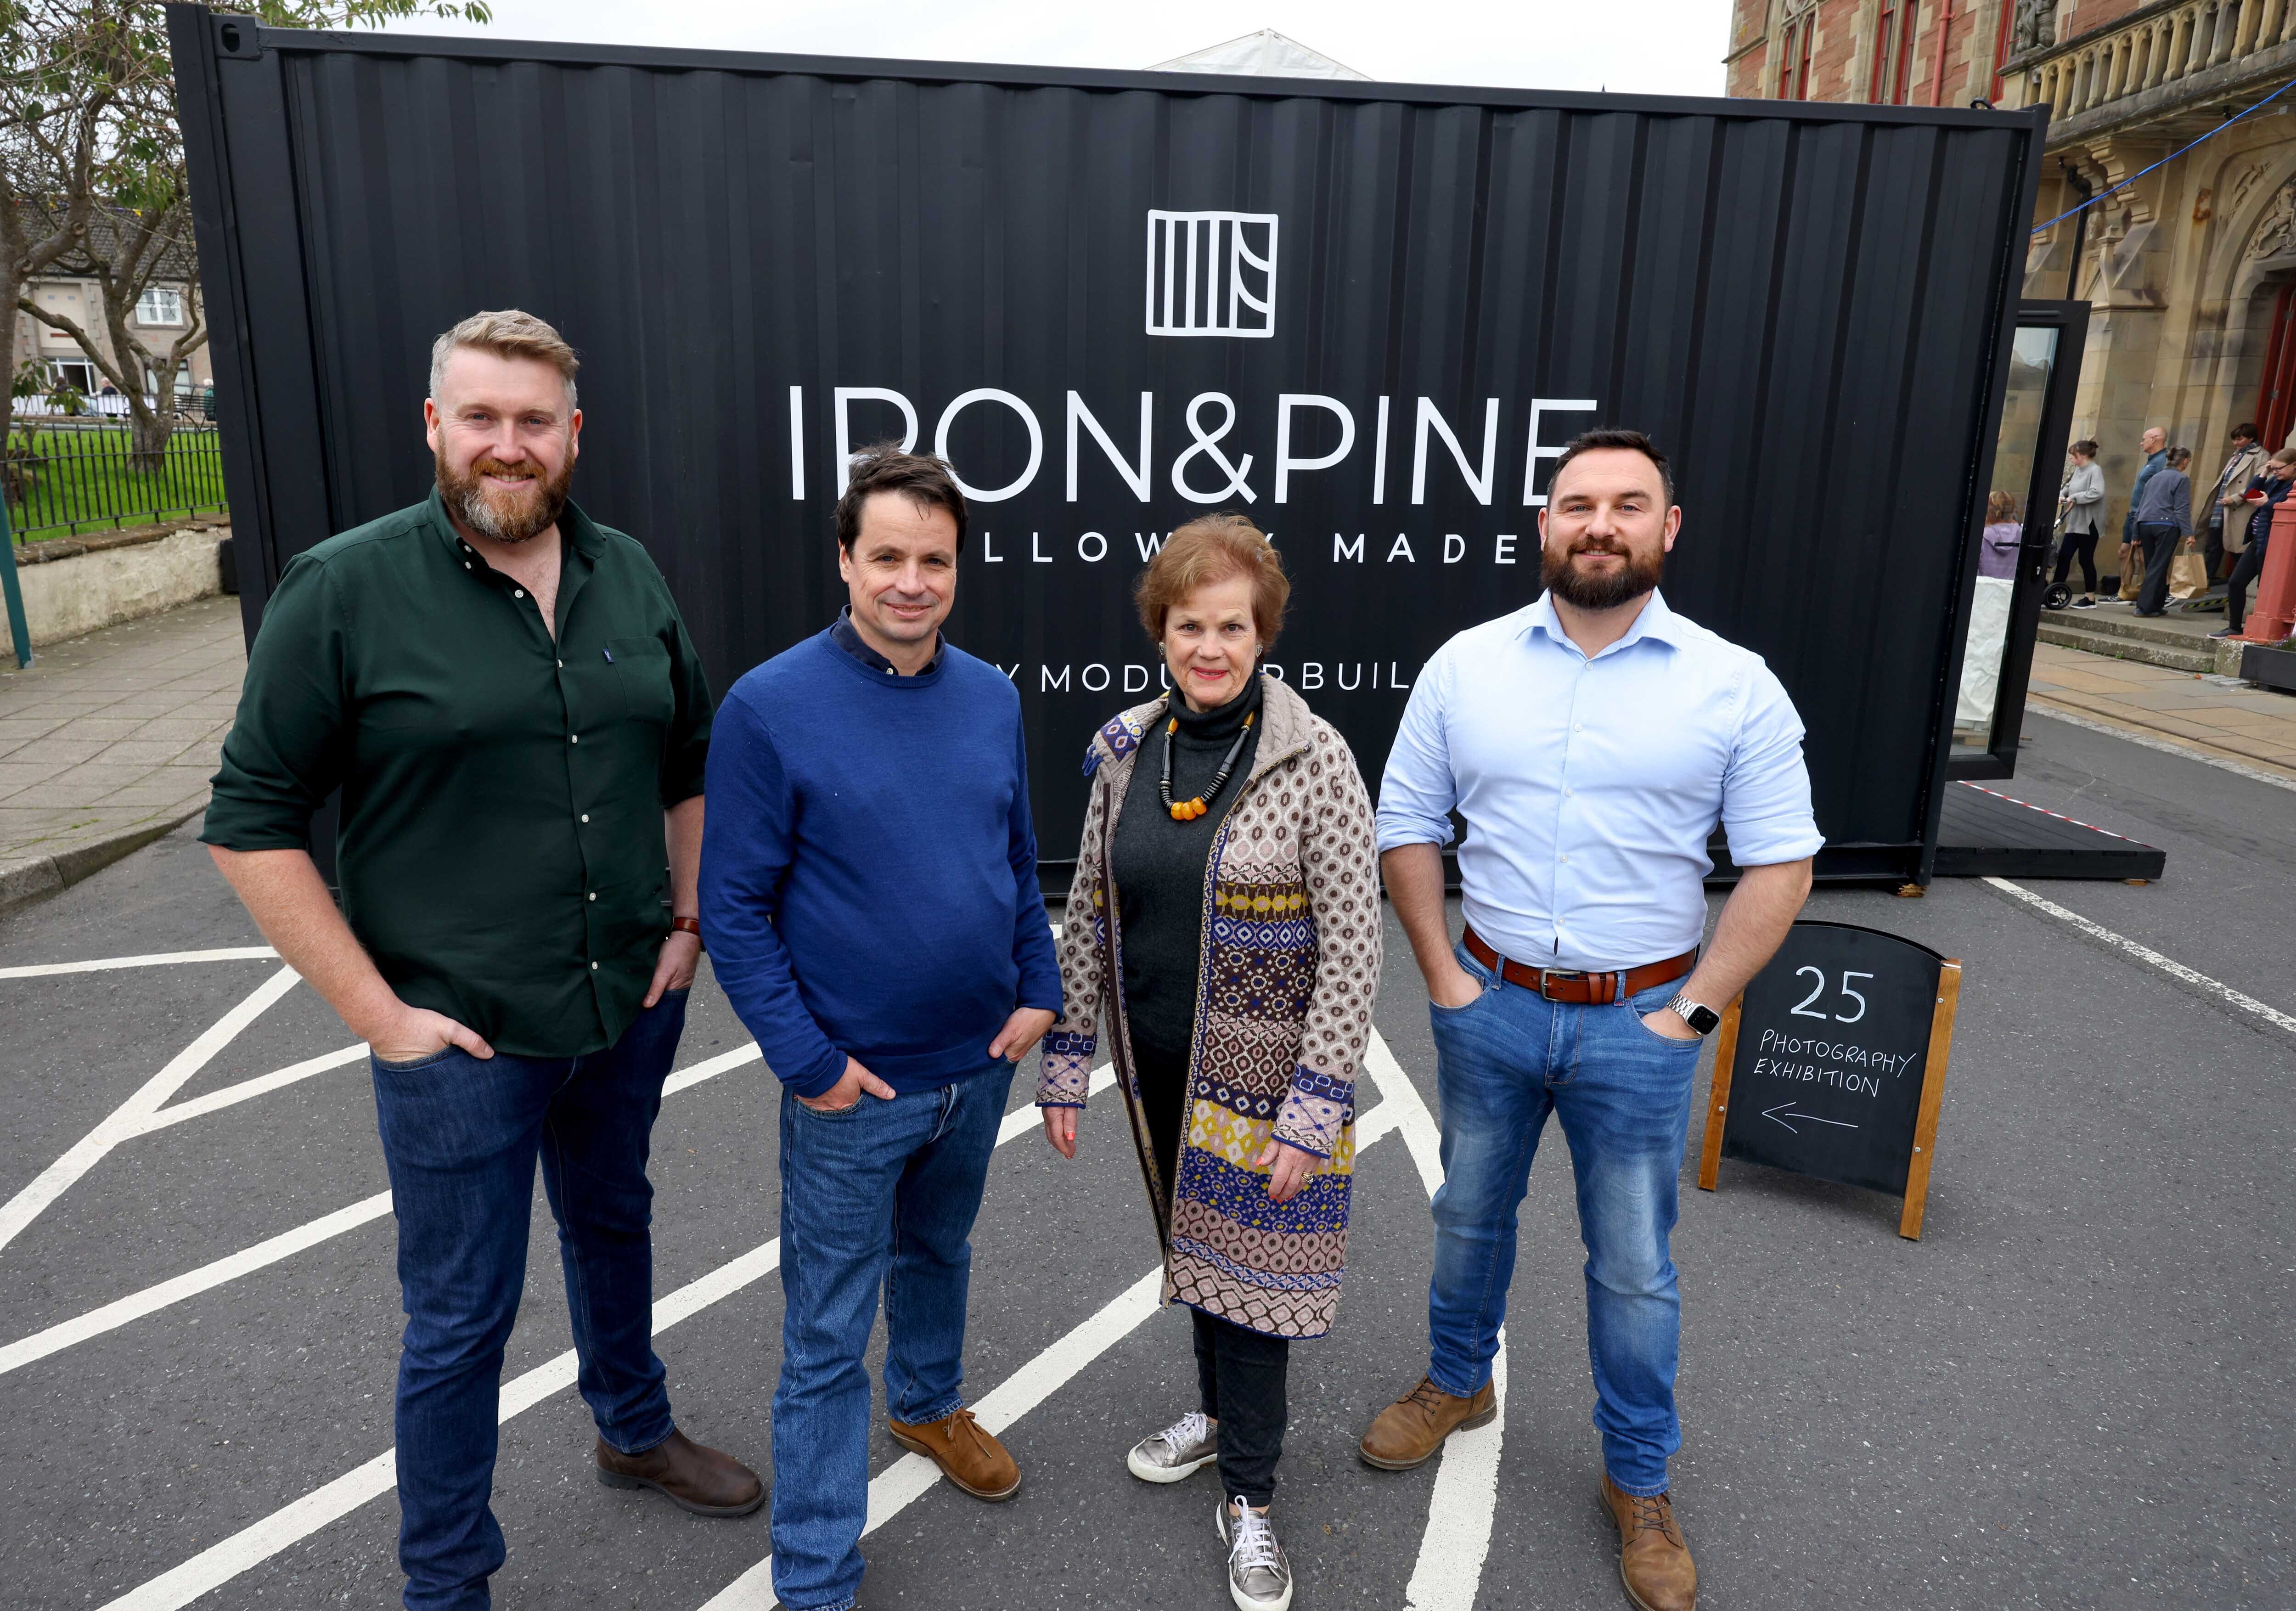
{"type": "Point", "coordinates": [642, 679]}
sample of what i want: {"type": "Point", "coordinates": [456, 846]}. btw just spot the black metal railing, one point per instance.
{"type": "Point", "coordinates": [65, 477]}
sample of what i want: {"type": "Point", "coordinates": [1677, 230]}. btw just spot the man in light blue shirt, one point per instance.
{"type": "Point", "coordinates": [1592, 741]}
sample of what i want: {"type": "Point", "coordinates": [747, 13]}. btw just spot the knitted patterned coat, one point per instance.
{"type": "Point", "coordinates": [1287, 970]}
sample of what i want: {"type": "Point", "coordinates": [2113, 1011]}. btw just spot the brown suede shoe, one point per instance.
{"type": "Point", "coordinates": [1409, 1431]}
{"type": "Point", "coordinates": [695, 1478]}
{"type": "Point", "coordinates": [1653, 1561]}
{"type": "Point", "coordinates": [966, 1454]}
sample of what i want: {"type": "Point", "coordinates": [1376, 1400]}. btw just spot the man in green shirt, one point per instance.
{"type": "Point", "coordinates": [505, 695]}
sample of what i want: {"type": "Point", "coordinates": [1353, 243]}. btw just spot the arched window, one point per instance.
{"type": "Point", "coordinates": [1795, 32]}
{"type": "Point", "coordinates": [1893, 50]}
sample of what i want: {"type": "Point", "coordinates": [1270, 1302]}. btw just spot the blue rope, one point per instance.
{"type": "Point", "coordinates": [2164, 161]}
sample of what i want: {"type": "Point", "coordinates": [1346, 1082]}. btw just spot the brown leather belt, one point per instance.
{"type": "Point", "coordinates": [1583, 989]}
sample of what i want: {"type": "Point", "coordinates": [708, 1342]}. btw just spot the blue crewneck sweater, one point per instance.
{"type": "Point", "coordinates": [869, 869]}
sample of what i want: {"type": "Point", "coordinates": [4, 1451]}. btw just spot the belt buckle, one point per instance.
{"type": "Point", "coordinates": [1547, 974]}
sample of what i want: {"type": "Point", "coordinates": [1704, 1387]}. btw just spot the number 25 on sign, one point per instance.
{"type": "Point", "coordinates": [1831, 1064]}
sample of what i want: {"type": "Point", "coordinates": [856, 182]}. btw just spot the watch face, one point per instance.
{"type": "Point", "coordinates": [1704, 1019]}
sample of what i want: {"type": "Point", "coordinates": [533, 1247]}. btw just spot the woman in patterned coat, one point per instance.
{"type": "Point", "coordinates": [1221, 947]}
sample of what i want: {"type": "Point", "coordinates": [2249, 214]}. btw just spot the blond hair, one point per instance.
{"type": "Point", "coordinates": [1212, 549]}
{"type": "Point", "coordinates": [507, 333]}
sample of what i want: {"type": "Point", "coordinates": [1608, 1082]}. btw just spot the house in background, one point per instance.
{"type": "Point", "coordinates": [2190, 269]}
{"type": "Point", "coordinates": [161, 315]}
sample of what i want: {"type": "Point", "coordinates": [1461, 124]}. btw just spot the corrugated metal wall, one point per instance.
{"type": "Point", "coordinates": [1804, 303]}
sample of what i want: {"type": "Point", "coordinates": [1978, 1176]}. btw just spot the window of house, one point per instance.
{"type": "Point", "coordinates": [1893, 50]}
{"type": "Point", "coordinates": [2001, 45]}
{"type": "Point", "coordinates": [1793, 54]}
{"type": "Point", "coordinates": [160, 305]}
{"type": "Point", "coordinates": [80, 375]}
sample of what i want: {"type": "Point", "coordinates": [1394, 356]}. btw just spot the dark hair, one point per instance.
{"type": "Point", "coordinates": [887, 467]}
{"type": "Point", "coordinates": [2085, 447]}
{"type": "Point", "coordinates": [2246, 428]}
{"type": "Point", "coordinates": [1632, 441]}
{"type": "Point", "coordinates": [2179, 456]}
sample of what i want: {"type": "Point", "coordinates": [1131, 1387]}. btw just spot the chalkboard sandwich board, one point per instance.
{"type": "Point", "coordinates": [1831, 1064]}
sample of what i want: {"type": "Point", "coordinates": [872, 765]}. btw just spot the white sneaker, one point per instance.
{"type": "Point", "coordinates": [1181, 1449]}
{"type": "Point", "coordinates": [1259, 1577]}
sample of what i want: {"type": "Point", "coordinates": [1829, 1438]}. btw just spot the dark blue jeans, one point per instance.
{"type": "Point", "coordinates": [883, 1193]}
{"type": "Point", "coordinates": [1622, 1092]}
{"type": "Point", "coordinates": [461, 1138]}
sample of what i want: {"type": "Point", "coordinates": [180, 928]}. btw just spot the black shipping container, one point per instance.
{"type": "Point", "coordinates": [1366, 314]}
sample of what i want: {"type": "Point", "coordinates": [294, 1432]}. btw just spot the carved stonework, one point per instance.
{"type": "Point", "coordinates": [2276, 234]}
{"type": "Point", "coordinates": [2245, 183]}
{"type": "Point", "coordinates": [2034, 25]}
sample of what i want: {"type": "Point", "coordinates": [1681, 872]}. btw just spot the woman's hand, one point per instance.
{"type": "Point", "coordinates": [1288, 1168]}
{"type": "Point", "coordinates": [1060, 1130]}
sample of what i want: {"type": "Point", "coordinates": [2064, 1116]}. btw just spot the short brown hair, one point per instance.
{"type": "Point", "coordinates": [887, 467]}
{"type": "Point", "coordinates": [1209, 549]}
{"type": "Point", "coordinates": [1999, 506]}
{"type": "Point", "coordinates": [1631, 441]}
{"type": "Point", "coordinates": [507, 333]}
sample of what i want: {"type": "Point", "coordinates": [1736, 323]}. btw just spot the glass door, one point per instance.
{"type": "Point", "coordinates": [2014, 546]}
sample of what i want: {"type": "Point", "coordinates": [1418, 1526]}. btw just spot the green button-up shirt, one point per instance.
{"type": "Point", "coordinates": [501, 853]}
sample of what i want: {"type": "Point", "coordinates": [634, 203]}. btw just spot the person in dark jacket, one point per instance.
{"type": "Point", "coordinates": [2264, 494]}
{"type": "Point", "coordinates": [2164, 519]}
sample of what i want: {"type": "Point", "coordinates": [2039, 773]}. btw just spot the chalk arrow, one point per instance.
{"type": "Point", "coordinates": [1784, 1110]}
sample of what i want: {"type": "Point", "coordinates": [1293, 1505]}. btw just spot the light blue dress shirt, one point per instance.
{"type": "Point", "coordinates": [1590, 786]}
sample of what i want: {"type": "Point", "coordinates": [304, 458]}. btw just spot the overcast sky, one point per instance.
{"type": "Point", "coordinates": [1652, 46]}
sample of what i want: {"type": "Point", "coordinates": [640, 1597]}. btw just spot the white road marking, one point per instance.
{"type": "Point", "coordinates": [135, 1305]}
{"type": "Point", "coordinates": [261, 1085]}
{"type": "Point", "coordinates": [129, 1116]}
{"type": "Point", "coordinates": [219, 1563]}
{"type": "Point", "coordinates": [2145, 953]}
{"type": "Point", "coordinates": [1460, 1512]}
{"type": "Point", "coordinates": [237, 953]}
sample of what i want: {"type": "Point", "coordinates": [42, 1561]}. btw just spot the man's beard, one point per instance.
{"type": "Point", "coordinates": [506, 517]}
{"type": "Point", "coordinates": [1606, 590]}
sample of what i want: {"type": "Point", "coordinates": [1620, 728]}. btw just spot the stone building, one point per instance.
{"type": "Point", "coordinates": [2190, 267]}
{"type": "Point", "coordinates": [166, 312]}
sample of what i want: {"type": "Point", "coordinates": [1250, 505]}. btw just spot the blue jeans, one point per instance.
{"type": "Point", "coordinates": [882, 1192]}
{"type": "Point", "coordinates": [461, 1138]}
{"type": "Point", "coordinates": [1622, 1094]}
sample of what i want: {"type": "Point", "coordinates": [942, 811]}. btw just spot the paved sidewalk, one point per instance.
{"type": "Point", "coordinates": [2211, 715]}
{"type": "Point", "coordinates": [109, 740]}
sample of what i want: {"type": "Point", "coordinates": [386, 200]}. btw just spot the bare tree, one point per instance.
{"type": "Point", "coordinates": [92, 180]}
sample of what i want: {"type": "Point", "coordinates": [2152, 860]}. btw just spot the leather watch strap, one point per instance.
{"type": "Point", "coordinates": [686, 925]}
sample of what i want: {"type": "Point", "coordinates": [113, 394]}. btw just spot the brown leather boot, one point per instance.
{"type": "Point", "coordinates": [965, 1452]}
{"type": "Point", "coordinates": [695, 1478]}
{"type": "Point", "coordinates": [1409, 1431]}
{"type": "Point", "coordinates": [1653, 1561]}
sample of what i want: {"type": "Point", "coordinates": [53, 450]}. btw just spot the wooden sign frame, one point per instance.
{"type": "Point", "coordinates": [1925, 1123]}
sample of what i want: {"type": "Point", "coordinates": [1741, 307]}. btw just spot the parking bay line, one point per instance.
{"type": "Point", "coordinates": [2147, 954]}
{"type": "Point", "coordinates": [43, 970]}
{"type": "Point", "coordinates": [250, 1547]}
{"type": "Point", "coordinates": [247, 1260]}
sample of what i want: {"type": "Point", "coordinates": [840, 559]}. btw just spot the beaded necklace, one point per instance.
{"type": "Point", "coordinates": [1188, 811]}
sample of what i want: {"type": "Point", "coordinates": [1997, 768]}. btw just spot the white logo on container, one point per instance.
{"type": "Point", "coordinates": [1211, 273]}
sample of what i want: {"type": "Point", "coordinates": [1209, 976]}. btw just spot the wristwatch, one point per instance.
{"type": "Point", "coordinates": [1701, 1018]}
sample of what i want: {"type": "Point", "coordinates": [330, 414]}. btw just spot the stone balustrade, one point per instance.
{"type": "Point", "coordinates": [2178, 44]}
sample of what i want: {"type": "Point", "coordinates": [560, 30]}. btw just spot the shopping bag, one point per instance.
{"type": "Point", "coordinates": [2188, 572]}
{"type": "Point", "coordinates": [2132, 569]}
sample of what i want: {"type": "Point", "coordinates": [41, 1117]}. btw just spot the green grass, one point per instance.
{"type": "Point", "coordinates": [83, 481]}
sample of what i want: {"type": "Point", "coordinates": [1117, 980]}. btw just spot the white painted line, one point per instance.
{"type": "Point", "coordinates": [135, 1305]}
{"type": "Point", "coordinates": [129, 1116]}
{"type": "Point", "coordinates": [907, 1479]}
{"type": "Point", "coordinates": [219, 1563]}
{"type": "Point", "coordinates": [2145, 953]}
{"type": "Point", "coordinates": [1411, 1115]}
{"type": "Point", "coordinates": [1459, 1513]}
{"type": "Point", "coordinates": [237, 953]}
{"type": "Point", "coordinates": [261, 1085]}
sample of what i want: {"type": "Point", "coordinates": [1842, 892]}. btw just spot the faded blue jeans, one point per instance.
{"type": "Point", "coordinates": [1622, 1095]}
{"type": "Point", "coordinates": [461, 1137]}
{"type": "Point", "coordinates": [883, 1193]}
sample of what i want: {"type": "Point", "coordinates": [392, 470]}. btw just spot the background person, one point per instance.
{"type": "Point", "coordinates": [504, 694]}
{"type": "Point", "coordinates": [2265, 492]}
{"type": "Point", "coordinates": [2227, 519]}
{"type": "Point", "coordinates": [1996, 552]}
{"type": "Point", "coordinates": [2164, 519]}
{"type": "Point", "coordinates": [1592, 740]}
{"type": "Point", "coordinates": [1228, 798]}
{"type": "Point", "coordinates": [2154, 444]}
{"type": "Point", "coordinates": [2083, 505]}
{"type": "Point", "coordinates": [869, 893]}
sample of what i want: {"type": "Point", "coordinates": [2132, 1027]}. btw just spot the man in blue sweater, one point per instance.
{"type": "Point", "coordinates": [869, 900]}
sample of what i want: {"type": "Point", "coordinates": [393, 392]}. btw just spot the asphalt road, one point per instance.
{"type": "Point", "coordinates": [2074, 1391]}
